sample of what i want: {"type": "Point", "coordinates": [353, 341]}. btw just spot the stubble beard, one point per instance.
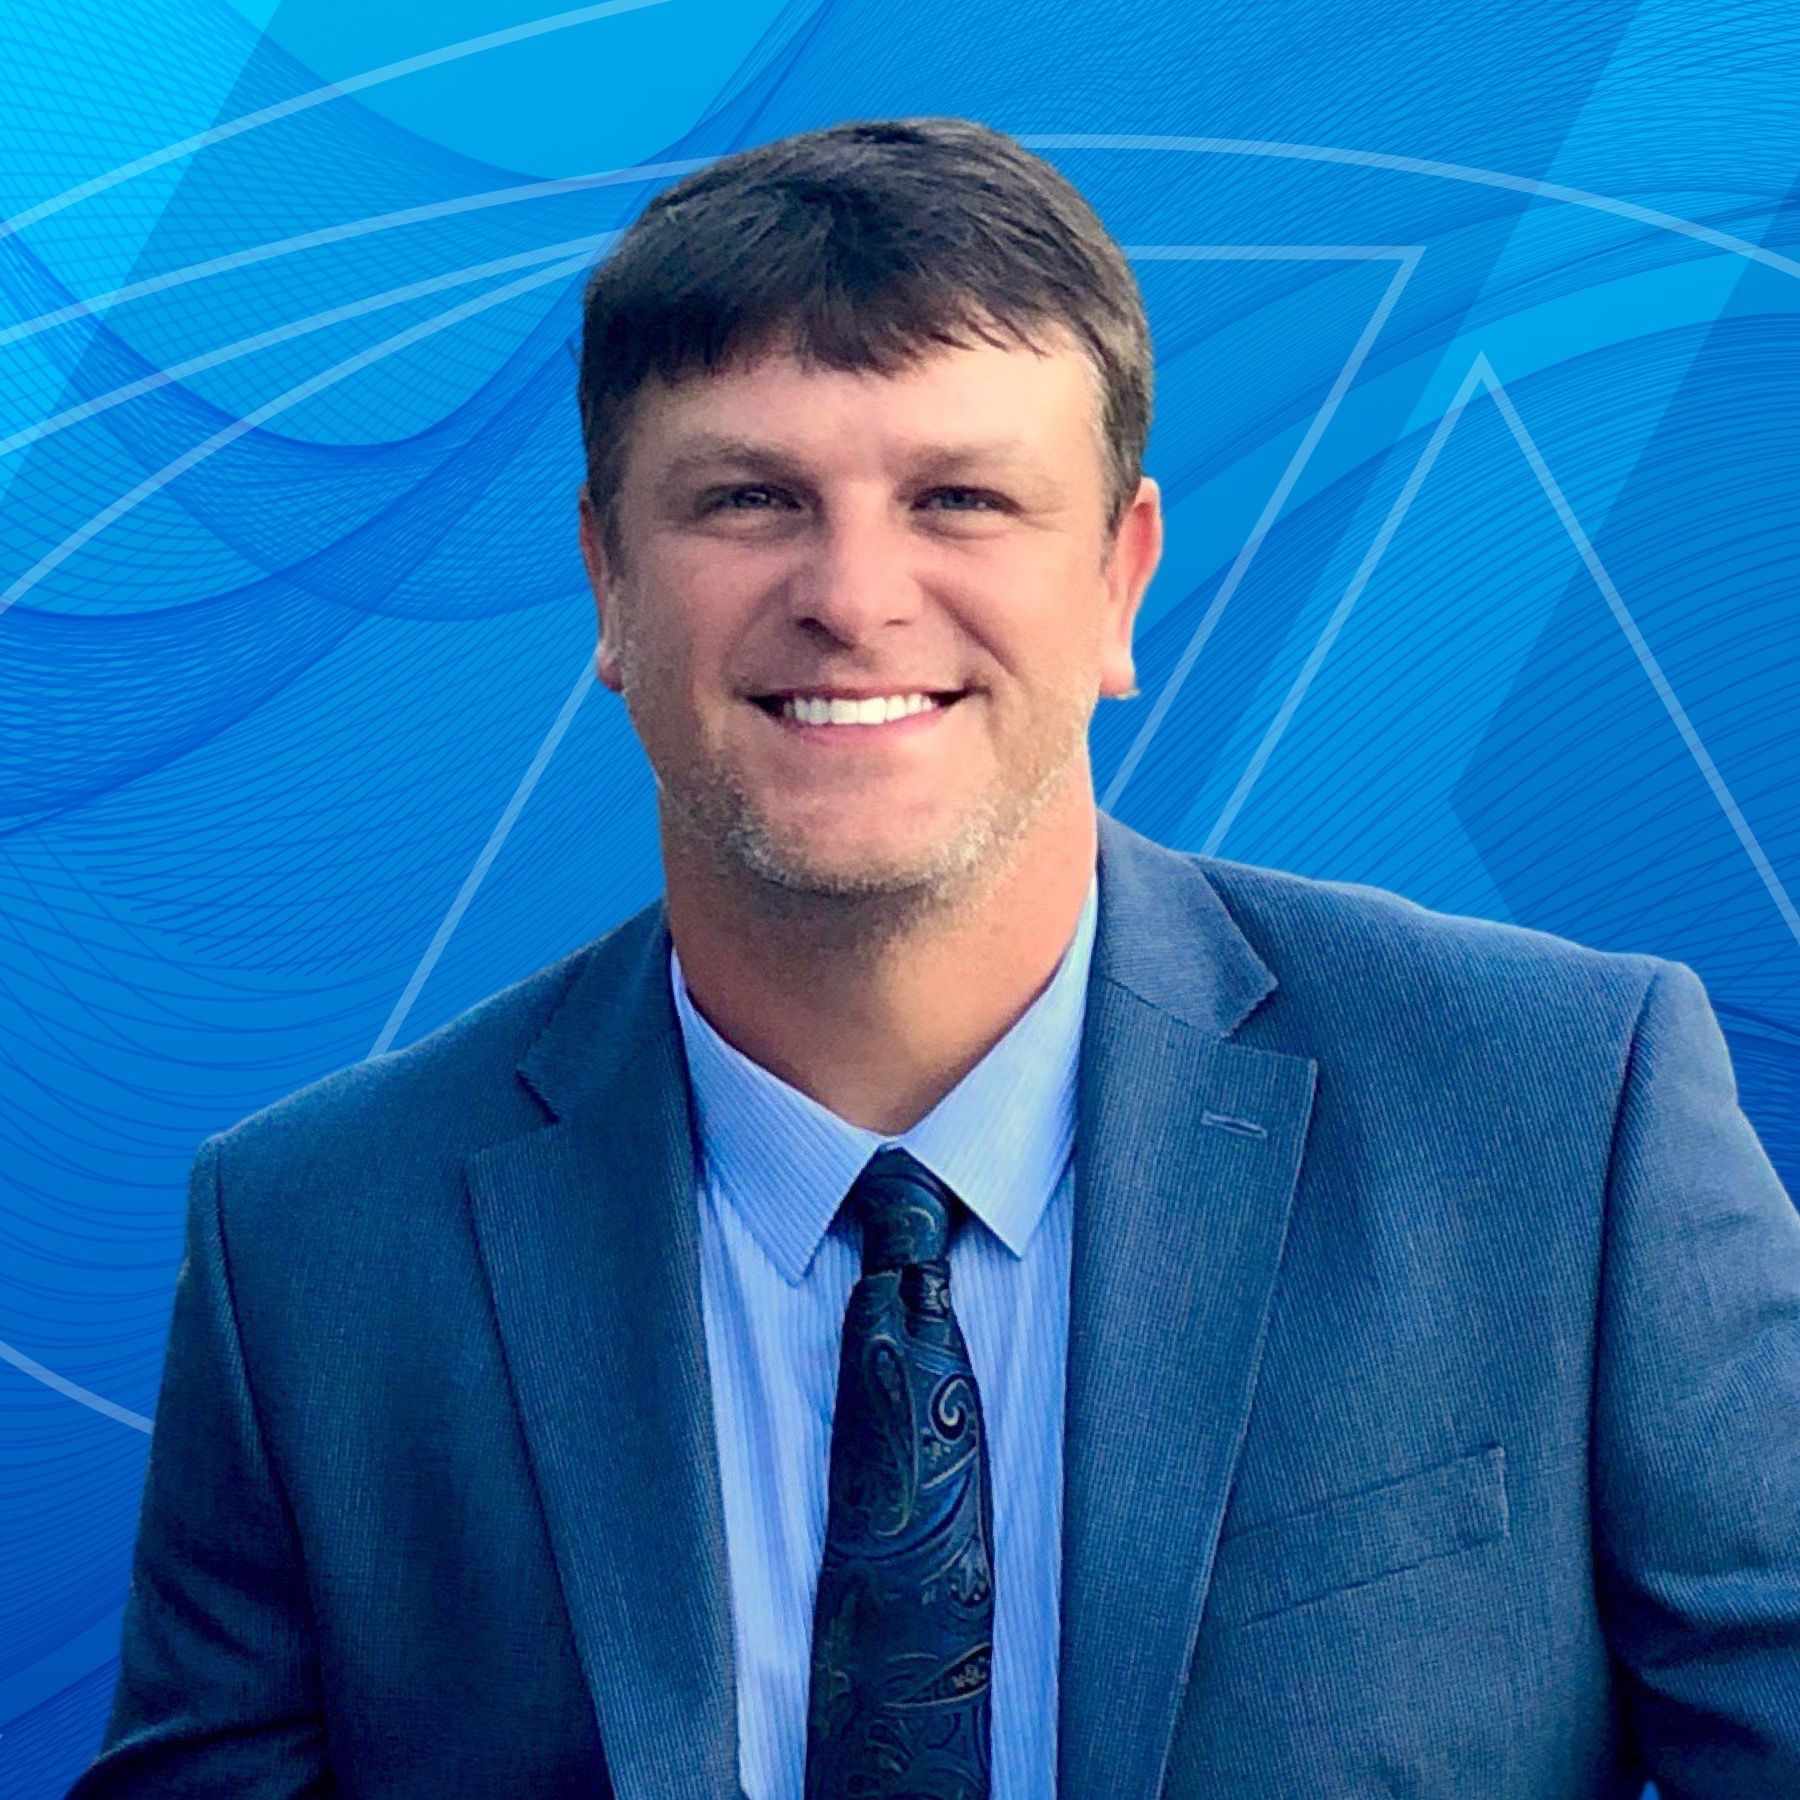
{"type": "Point", "coordinates": [709, 814]}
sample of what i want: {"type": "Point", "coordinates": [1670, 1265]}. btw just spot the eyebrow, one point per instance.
{"type": "Point", "coordinates": [709, 451]}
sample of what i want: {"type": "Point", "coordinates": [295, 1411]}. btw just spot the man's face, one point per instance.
{"type": "Point", "coordinates": [935, 539]}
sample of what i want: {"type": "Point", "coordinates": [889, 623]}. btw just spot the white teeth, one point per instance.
{"type": "Point", "coordinates": [816, 710]}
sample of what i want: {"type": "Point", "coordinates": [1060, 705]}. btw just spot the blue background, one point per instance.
{"type": "Point", "coordinates": [1477, 403]}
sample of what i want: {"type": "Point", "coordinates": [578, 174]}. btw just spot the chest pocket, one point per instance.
{"type": "Point", "coordinates": [1354, 1539]}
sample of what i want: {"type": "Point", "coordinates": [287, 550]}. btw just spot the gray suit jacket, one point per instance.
{"type": "Point", "coordinates": [1434, 1390]}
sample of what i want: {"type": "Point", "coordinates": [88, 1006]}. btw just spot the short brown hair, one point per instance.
{"type": "Point", "coordinates": [860, 247]}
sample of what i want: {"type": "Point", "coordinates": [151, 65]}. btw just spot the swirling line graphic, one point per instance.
{"type": "Point", "coordinates": [346, 231]}
{"type": "Point", "coordinates": [1467, 173]}
{"type": "Point", "coordinates": [190, 616]}
{"type": "Point", "coordinates": [272, 409]}
{"type": "Point", "coordinates": [323, 95]}
{"type": "Point", "coordinates": [581, 249]}
{"type": "Point", "coordinates": [1405, 257]}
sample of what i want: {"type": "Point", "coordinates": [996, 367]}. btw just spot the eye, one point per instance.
{"type": "Point", "coordinates": [966, 499]}
{"type": "Point", "coordinates": [752, 497]}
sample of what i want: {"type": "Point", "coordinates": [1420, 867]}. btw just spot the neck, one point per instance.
{"type": "Point", "coordinates": [878, 1020]}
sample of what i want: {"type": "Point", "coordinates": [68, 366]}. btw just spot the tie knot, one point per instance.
{"type": "Point", "coordinates": [904, 1209]}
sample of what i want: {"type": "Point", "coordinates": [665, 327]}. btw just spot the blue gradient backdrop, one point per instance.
{"type": "Point", "coordinates": [1478, 404]}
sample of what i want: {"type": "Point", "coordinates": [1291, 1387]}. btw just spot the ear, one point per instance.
{"type": "Point", "coordinates": [1136, 550]}
{"type": "Point", "coordinates": [601, 580]}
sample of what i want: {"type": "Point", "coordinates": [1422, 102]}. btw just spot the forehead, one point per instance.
{"type": "Point", "coordinates": [1025, 400]}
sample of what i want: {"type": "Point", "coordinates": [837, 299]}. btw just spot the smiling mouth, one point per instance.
{"type": "Point", "coordinates": [846, 710]}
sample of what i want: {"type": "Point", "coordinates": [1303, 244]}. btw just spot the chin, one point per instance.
{"type": "Point", "coordinates": [843, 866]}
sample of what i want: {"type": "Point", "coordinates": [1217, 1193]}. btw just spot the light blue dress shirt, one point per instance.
{"type": "Point", "coordinates": [776, 1271]}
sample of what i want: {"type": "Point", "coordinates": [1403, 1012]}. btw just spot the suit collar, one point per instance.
{"type": "Point", "coordinates": [611, 1010]}
{"type": "Point", "coordinates": [589, 1239]}
{"type": "Point", "coordinates": [1166, 936]}
{"type": "Point", "coordinates": [1162, 933]}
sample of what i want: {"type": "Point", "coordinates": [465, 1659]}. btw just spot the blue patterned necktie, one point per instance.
{"type": "Point", "coordinates": [903, 1620]}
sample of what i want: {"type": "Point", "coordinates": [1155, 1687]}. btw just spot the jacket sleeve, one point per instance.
{"type": "Point", "coordinates": [1696, 1447]}
{"type": "Point", "coordinates": [218, 1689]}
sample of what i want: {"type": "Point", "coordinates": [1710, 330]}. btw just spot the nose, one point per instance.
{"type": "Point", "coordinates": [855, 576]}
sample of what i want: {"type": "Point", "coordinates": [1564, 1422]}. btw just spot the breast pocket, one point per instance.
{"type": "Point", "coordinates": [1354, 1539]}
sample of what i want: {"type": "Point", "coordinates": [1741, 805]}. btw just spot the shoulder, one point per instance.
{"type": "Point", "coordinates": [409, 1110]}
{"type": "Point", "coordinates": [1350, 950]}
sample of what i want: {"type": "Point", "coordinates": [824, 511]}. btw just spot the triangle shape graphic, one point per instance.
{"type": "Point", "coordinates": [1482, 378]}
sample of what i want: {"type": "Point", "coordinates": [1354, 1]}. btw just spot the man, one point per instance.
{"type": "Point", "coordinates": [957, 1299]}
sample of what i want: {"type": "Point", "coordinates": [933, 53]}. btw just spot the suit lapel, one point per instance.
{"type": "Point", "coordinates": [1187, 1151]}
{"type": "Point", "coordinates": [589, 1239]}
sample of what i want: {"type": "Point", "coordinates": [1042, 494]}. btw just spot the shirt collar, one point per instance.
{"type": "Point", "coordinates": [1000, 1138]}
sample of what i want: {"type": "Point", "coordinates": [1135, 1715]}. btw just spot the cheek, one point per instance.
{"type": "Point", "coordinates": [702, 600]}
{"type": "Point", "coordinates": [657, 660]}
{"type": "Point", "coordinates": [1037, 603]}
{"type": "Point", "coordinates": [1067, 623]}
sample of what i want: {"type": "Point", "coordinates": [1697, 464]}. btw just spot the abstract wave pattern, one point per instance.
{"type": "Point", "coordinates": [1476, 372]}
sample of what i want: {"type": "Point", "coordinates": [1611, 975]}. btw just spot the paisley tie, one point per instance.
{"type": "Point", "coordinates": [903, 1617]}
